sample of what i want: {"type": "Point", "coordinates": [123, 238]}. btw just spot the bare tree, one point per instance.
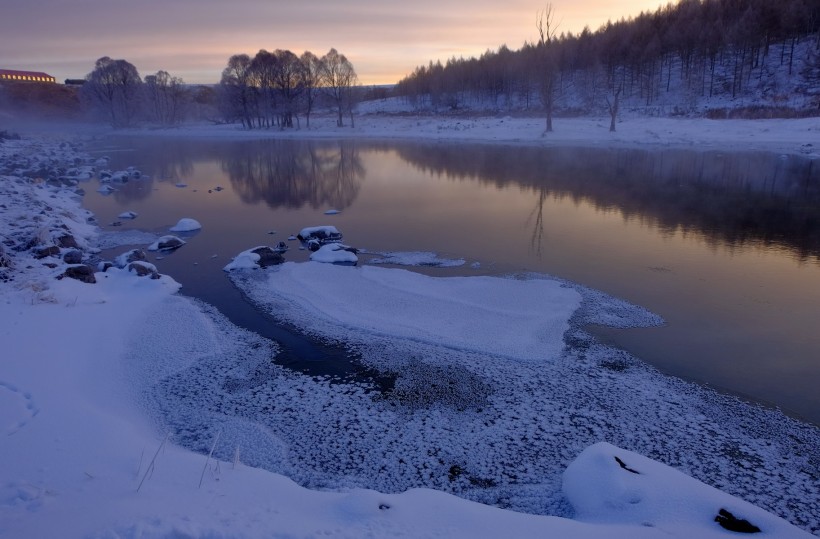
{"type": "Point", "coordinates": [338, 79]}
{"type": "Point", "coordinates": [166, 97]}
{"type": "Point", "coordinates": [311, 77]}
{"type": "Point", "coordinates": [114, 88]}
{"type": "Point", "coordinates": [289, 83]}
{"type": "Point", "coordinates": [238, 97]}
{"type": "Point", "coordinates": [548, 61]}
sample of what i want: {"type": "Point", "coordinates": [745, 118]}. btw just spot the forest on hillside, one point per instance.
{"type": "Point", "coordinates": [682, 58]}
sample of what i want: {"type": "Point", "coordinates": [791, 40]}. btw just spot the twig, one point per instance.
{"type": "Point", "coordinates": [151, 464]}
{"type": "Point", "coordinates": [201, 477]}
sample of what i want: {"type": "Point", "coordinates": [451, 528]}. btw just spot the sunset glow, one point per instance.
{"type": "Point", "coordinates": [193, 39]}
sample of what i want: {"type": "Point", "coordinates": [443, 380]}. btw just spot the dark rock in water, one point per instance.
{"type": "Point", "coordinates": [43, 252]}
{"type": "Point", "coordinates": [81, 273]}
{"type": "Point", "coordinates": [67, 241]}
{"type": "Point", "coordinates": [167, 243]}
{"type": "Point", "coordinates": [73, 257]}
{"type": "Point", "coordinates": [142, 269]}
{"type": "Point", "coordinates": [268, 257]}
{"type": "Point", "coordinates": [730, 522]}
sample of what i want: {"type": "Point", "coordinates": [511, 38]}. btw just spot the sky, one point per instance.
{"type": "Point", "coordinates": [193, 39]}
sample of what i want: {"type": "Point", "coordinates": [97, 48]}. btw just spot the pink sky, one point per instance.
{"type": "Point", "coordinates": [193, 39]}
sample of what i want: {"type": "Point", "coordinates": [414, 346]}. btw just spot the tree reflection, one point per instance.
{"type": "Point", "coordinates": [727, 198]}
{"type": "Point", "coordinates": [290, 174]}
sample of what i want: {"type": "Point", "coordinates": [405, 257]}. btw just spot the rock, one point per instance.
{"type": "Point", "coordinates": [67, 241]}
{"type": "Point", "coordinates": [186, 224]}
{"type": "Point", "coordinates": [268, 257]}
{"type": "Point", "coordinates": [730, 522]}
{"type": "Point", "coordinates": [81, 273]}
{"type": "Point", "coordinates": [43, 252]}
{"type": "Point", "coordinates": [166, 243]}
{"type": "Point", "coordinates": [5, 260]}
{"type": "Point", "coordinates": [104, 265]}
{"type": "Point", "coordinates": [336, 253]}
{"type": "Point", "coordinates": [134, 255]}
{"type": "Point", "coordinates": [73, 257]}
{"type": "Point", "coordinates": [143, 268]}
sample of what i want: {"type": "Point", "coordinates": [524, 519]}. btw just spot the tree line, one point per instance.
{"type": "Point", "coordinates": [709, 47]}
{"type": "Point", "coordinates": [272, 89]}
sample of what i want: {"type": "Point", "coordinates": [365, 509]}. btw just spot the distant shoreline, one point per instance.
{"type": "Point", "coordinates": [785, 136]}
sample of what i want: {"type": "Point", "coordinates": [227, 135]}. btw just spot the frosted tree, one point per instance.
{"type": "Point", "coordinates": [338, 79]}
{"type": "Point", "coordinates": [311, 77]}
{"type": "Point", "coordinates": [547, 60]}
{"type": "Point", "coordinates": [165, 96]}
{"type": "Point", "coordinates": [114, 88]}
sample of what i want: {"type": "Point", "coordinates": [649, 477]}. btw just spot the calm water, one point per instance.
{"type": "Point", "coordinates": [726, 247]}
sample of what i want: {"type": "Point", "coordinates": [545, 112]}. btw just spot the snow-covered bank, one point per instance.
{"type": "Point", "coordinates": [80, 457]}
{"type": "Point", "coordinates": [787, 136]}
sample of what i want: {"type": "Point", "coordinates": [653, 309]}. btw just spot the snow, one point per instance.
{"type": "Point", "coordinates": [787, 136]}
{"type": "Point", "coordinates": [186, 224]}
{"type": "Point", "coordinates": [169, 239]}
{"type": "Point", "coordinates": [517, 319]}
{"type": "Point", "coordinates": [128, 215]}
{"type": "Point", "coordinates": [416, 258]}
{"type": "Point", "coordinates": [321, 231]}
{"type": "Point", "coordinates": [608, 485]}
{"type": "Point", "coordinates": [83, 452]}
{"type": "Point", "coordinates": [244, 260]}
{"type": "Point", "coordinates": [334, 253]}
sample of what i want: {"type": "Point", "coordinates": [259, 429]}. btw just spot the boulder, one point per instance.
{"type": "Point", "coordinates": [43, 252]}
{"type": "Point", "coordinates": [142, 269]}
{"type": "Point", "coordinates": [127, 257]}
{"type": "Point", "coordinates": [67, 241]}
{"type": "Point", "coordinates": [268, 257]}
{"type": "Point", "coordinates": [81, 273]}
{"type": "Point", "coordinates": [73, 257]}
{"type": "Point", "coordinates": [166, 243]}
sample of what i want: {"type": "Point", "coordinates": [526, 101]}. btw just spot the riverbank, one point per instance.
{"type": "Point", "coordinates": [787, 136]}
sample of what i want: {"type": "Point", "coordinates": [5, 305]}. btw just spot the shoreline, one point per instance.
{"type": "Point", "coordinates": [800, 137]}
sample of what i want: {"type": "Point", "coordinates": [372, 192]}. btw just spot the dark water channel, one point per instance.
{"type": "Point", "coordinates": [724, 246]}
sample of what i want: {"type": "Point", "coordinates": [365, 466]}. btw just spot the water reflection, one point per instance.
{"type": "Point", "coordinates": [280, 173]}
{"type": "Point", "coordinates": [733, 199]}
{"type": "Point", "coordinates": [290, 174]}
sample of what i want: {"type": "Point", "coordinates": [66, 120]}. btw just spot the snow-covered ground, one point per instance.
{"type": "Point", "coordinates": [801, 136]}
{"type": "Point", "coordinates": [86, 451]}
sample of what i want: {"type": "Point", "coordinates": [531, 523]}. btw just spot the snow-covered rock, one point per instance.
{"type": "Point", "coordinates": [258, 257]}
{"type": "Point", "coordinates": [141, 269]}
{"type": "Point", "coordinates": [609, 485]}
{"type": "Point", "coordinates": [129, 256]}
{"type": "Point", "coordinates": [322, 234]}
{"type": "Point", "coordinates": [335, 253]}
{"type": "Point", "coordinates": [128, 215]}
{"type": "Point", "coordinates": [186, 224]}
{"type": "Point", "coordinates": [166, 243]}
